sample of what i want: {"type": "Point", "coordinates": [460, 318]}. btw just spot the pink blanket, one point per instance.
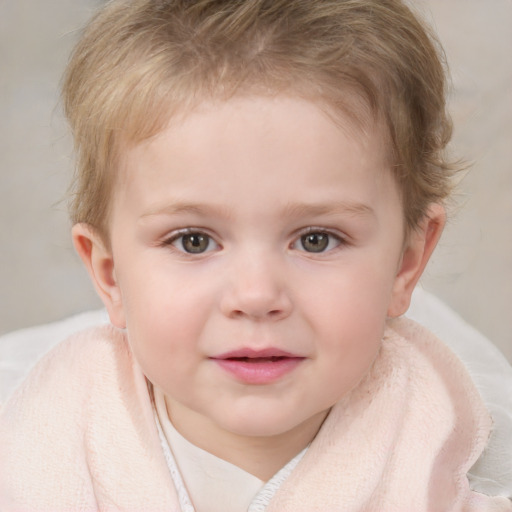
{"type": "Point", "coordinates": [79, 435]}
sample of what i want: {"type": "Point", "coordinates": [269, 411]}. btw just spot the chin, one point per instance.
{"type": "Point", "coordinates": [255, 423]}
{"type": "Point", "coordinates": [270, 423]}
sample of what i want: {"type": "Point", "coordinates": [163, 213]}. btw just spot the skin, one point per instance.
{"type": "Point", "coordinates": [254, 177]}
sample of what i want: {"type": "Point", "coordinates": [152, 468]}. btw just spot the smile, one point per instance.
{"type": "Point", "coordinates": [258, 367]}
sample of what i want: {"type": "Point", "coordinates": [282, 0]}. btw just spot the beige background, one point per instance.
{"type": "Point", "coordinates": [42, 280]}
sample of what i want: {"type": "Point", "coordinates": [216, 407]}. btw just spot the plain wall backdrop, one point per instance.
{"type": "Point", "coordinates": [42, 280]}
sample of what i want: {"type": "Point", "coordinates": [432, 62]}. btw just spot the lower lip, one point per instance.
{"type": "Point", "coordinates": [259, 372]}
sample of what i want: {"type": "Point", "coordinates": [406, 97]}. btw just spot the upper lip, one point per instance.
{"type": "Point", "coordinates": [249, 353]}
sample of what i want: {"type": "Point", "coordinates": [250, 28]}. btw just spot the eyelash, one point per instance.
{"type": "Point", "coordinates": [182, 233]}
{"type": "Point", "coordinates": [315, 231]}
{"type": "Point", "coordinates": [318, 236]}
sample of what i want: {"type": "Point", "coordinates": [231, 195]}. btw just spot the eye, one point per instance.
{"type": "Point", "coordinates": [193, 242]}
{"type": "Point", "coordinates": [317, 241]}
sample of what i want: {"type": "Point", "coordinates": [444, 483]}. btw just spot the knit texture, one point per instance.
{"type": "Point", "coordinates": [80, 435]}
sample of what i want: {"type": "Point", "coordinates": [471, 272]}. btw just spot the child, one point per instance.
{"type": "Point", "coordinates": [260, 186]}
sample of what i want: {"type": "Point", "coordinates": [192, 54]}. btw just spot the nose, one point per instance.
{"type": "Point", "coordinates": [256, 289]}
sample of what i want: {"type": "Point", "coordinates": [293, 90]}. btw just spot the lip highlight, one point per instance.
{"type": "Point", "coordinates": [258, 367]}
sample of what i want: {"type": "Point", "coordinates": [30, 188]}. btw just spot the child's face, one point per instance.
{"type": "Point", "coordinates": [257, 248]}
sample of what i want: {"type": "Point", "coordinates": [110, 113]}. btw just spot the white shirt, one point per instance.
{"type": "Point", "coordinates": [209, 480]}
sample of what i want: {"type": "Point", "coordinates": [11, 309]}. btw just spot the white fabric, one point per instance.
{"type": "Point", "coordinates": [490, 371]}
{"type": "Point", "coordinates": [20, 350]}
{"type": "Point", "coordinates": [258, 504]}
{"type": "Point", "coordinates": [80, 435]}
{"type": "Point", "coordinates": [492, 375]}
{"type": "Point", "coordinates": [209, 480]}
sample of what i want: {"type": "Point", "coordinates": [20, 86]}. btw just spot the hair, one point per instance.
{"type": "Point", "coordinates": [139, 62]}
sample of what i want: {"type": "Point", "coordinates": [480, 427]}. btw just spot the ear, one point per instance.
{"type": "Point", "coordinates": [417, 251]}
{"type": "Point", "coordinates": [98, 260]}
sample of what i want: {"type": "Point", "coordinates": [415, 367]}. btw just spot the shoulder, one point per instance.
{"type": "Point", "coordinates": [79, 434]}
{"type": "Point", "coordinates": [45, 424]}
{"type": "Point", "coordinates": [478, 375]}
{"type": "Point", "coordinates": [71, 364]}
{"type": "Point", "coordinates": [441, 388]}
{"type": "Point", "coordinates": [66, 379]}
{"type": "Point", "coordinates": [405, 338]}
{"type": "Point", "coordinates": [432, 367]}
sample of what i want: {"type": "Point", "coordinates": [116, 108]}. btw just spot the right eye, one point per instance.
{"type": "Point", "coordinates": [193, 242]}
{"type": "Point", "coordinates": [318, 241]}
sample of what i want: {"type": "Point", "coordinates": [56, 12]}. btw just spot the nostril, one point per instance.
{"type": "Point", "coordinates": [257, 302]}
{"type": "Point", "coordinates": [273, 314]}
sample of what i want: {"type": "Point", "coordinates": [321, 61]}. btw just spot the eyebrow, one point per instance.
{"type": "Point", "coordinates": [291, 210]}
{"type": "Point", "coordinates": [178, 208]}
{"type": "Point", "coordinates": [329, 208]}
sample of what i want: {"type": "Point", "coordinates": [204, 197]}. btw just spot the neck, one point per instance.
{"type": "Point", "coordinates": [261, 456]}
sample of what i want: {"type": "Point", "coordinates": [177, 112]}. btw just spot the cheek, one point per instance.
{"type": "Point", "coordinates": [161, 295]}
{"type": "Point", "coordinates": [350, 348]}
{"type": "Point", "coordinates": [349, 319]}
{"type": "Point", "coordinates": [164, 318]}
{"type": "Point", "coordinates": [165, 344]}
{"type": "Point", "coordinates": [355, 296]}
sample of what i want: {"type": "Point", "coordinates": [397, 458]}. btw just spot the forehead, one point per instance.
{"type": "Point", "coordinates": [239, 117]}
{"type": "Point", "coordinates": [260, 153]}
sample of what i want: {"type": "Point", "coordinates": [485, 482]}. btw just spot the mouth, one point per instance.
{"type": "Point", "coordinates": [258, 367]}
{"type": "Point", "coordinates": [271, 359]}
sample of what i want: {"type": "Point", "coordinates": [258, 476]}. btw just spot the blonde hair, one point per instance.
{"type": "Point", "coordinates": [140, 61]}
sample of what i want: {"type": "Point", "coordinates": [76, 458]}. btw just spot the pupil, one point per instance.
{"type": "Point", "coordinates": [195, 243]}
{"type": "Point", "coordinates": [315, 242]}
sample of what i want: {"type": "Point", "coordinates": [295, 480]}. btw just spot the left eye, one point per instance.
{"type": "Point", "coordinates": [317, 241]}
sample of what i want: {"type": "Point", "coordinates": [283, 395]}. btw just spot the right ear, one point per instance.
{"type": "Point", "coordinates": [98, 260]}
